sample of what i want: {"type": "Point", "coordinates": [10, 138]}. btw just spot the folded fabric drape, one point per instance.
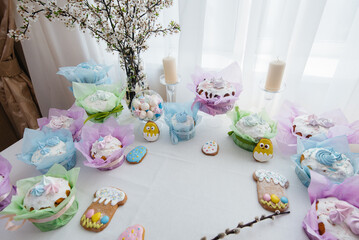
{"type": "Point", "coordinates": [16, 92]}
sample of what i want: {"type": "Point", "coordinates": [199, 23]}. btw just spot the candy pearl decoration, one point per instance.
{"type": "Point", "coordinates": [284, 200]}
{"type": "Point", "coordinates": [89, 213]}
{"type": "Point", "coordinates": [266, 197]}
{"type": "Point", "coordinates": [96, 217]}
{"type": "Point", "coordinates": [142, 114]}
{"type": "Point", "coordinates": [150, 114]}
{"type": "Point", "coordinates": [145, 106]}
{"type": "Point", "coordinates": [105, 219]}
{"type": "Point", "coordinates": [274, 198]}
{"type": "Point", "coordinates": [136, 103]}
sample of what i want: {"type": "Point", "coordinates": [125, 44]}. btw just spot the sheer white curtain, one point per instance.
{"type": "Point", "coordinates": [319, 40]}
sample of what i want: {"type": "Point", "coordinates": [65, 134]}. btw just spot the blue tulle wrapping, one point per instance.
{"type": "Point", "coordinates": [86, 72]}
{"type": "Point", "coordinates": [30, 145]}
{"type": "Point", "coordinates": [339, 144]}
{"type": "Point", "coordinates": [173, 108]}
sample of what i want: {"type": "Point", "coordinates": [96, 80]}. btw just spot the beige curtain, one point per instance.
{"type": "Point", "coordinates": [16, 92]}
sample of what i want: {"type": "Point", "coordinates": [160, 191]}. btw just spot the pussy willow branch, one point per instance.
{"type": "Point", "coordinates": [250, 224]}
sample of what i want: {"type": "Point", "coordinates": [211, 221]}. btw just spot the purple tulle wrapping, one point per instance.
{"type": "Point", "coordinates": [76, 113]}
{"type": "Point", "coordinates": [220, 105]}
{"type": "Point", "coordinates": [92, 133]}
{"type": "Point", "coordinates": [321, 187]}
{"type": "Point", "coordinates": [6, 188]}
{"type": "Point", "coordinates": [287, 140]}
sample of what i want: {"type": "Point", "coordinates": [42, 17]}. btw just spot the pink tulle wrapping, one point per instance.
{"type": "Point", "coordinates": [92, 133]}
{"type": "Point", "coordinates": [5, 185]}
{"type": "Point", "coordinates": [76, 113]}
{"type": "Point", "coordinates": [287, 140]}
{"type": "Point", "coordinates": [221, 105]}
{"type": "Point", "coordinates": [321, 187]}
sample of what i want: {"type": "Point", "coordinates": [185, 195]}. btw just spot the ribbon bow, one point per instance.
{"type": "Point", "coordinates": [102, 115]}
{"type": "Point", "coordinates": [315, 121]}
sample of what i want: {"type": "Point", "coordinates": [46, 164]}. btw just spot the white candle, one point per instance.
{"type": "Point", "coordinates": [169, 67]}
{"type": "Point", "coordinates": [275, 75]}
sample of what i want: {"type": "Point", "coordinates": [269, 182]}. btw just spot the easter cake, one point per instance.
{"type": "Point", "coordinates": [47, 193]}
{"type": "Point", "coordinates": [58, 122]}
{"type": "Point", "coordinates": [101, 101]}
{"type": "Point", "coordinates": [254, 126]}
{"type": "Point", "coordinates": [105, 146]}
{"type": "Point", "coordinates": [337, 219]}
{"type": "Point", "coordinates": [310, 125]}
{"type": "Point", "coordinates": [182, 122]}
{"type": "Point", "coordinates": [216, 88]}
{"type": "Point", "coordinates": [51, 148]}
{"type": "Point", "coordinates": [326, 161]}
{"type": "Point", "coordinates": [104, 205]}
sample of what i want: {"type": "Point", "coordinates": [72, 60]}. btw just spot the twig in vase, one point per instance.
{"type": "Point", "coordinates": [242, 225]}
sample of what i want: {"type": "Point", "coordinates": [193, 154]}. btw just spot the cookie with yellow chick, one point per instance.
{"type": "Point", "coordinates": [263, 151]}
{"type": "Point", "coordinates": [151, 132]}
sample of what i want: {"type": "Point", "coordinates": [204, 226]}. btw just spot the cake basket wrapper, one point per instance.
{"type": "Point", "coordinates": [33, 139]}
{"type": "Point", "coordinates": [220, 105]}
{"type": "Point", "coordinates": [243, 140]}
{"type": "Point", "coordinates": [7, 190]}
{"type": "Point", "coordinates": [322, 187]}
{"type": "Point", "coordinates": [287, 140]}
{"type": "Point", "coordinates": [90, 134]}
{"type": "Point", "coordinates": [70, 204]}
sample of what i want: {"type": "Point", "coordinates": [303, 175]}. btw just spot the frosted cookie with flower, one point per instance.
{"type": "Point", "coordinates": [104, 205]}
{"type": "Point", "coordinates": [271, 190]}
{"type": "Point", "coordinates": [210, 148]}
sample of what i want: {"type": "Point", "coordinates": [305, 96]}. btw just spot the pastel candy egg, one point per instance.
{"type": "Point", "coordinates": [89, 213]}
{"type": "Point", "coordinates": [136, 103]}
{"type": "Point", "coordinates": [145, 106]}
{"type": "Point", "coordinates": [284, 200]}
{"type": "Point", "coordinates": [105, 219]}
{"type": "Point", "coordinates": [266, 197]}
{"type": "Point", "coordinates": [153, 102]}
{"type": "Point", "coordinates": [274, 198]}
{"type": "Point", "coordinates": [143, 114]}
{"type": "Point", "coordinates": [96, 217]}
{"type": "Point", "coordinates": [150, 114]}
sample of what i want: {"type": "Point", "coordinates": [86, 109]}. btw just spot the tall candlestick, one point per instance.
{"type": "Point", "coordinates": [169, 67]}
{"type": "Point", "coordinates": [275, 75]}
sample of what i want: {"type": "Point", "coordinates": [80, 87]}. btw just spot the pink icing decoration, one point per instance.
{"type": "Point", "coordinates": [340, 214]}
{"type": "Point", "coordinates": [266, 197]}
{"type": "Point", "coordinates": [89, 213]}
{"type": "Point", "coordinates": [52, 187]}
{"type": "Point", "coordinates": [353, 223]}
{"type": "Point", "coordinates": [134, 232]}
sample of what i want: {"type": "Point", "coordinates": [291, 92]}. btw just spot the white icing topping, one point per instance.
{"type": "Point", "coordinates": [340, 230]}
{"type": "Point", "coordinates": [56, 150]}
{"type": "Point", "coordinates": [215, 88]}
{"type": "Point", "coordinates": [269, 175]}
{"type": "Point", "coordinates": [46, 200]}
{"type": "Point", "coordinates": [101, 101]}
{"type": "Point", "coordinates": [303, 126]}
{"type": "Point", "coordinates": [186, 126]}
{"type": "Point", "coordinates": [58, 122]}
{"type": "Point", "coordinates": [109, 194]}
{"type": "Point", "coordinates": [105, 146]}
{"type": "Point", "coordinates": [338, 171]}
{"type": "Point", "coordinates": [255, 129]}
{"type": "Point", "coordinates": [210, 147]}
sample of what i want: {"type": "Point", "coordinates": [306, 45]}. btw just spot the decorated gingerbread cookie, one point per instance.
{"type": "Point", "coordinates": [99, 214]}
{"type": "Point", "coordinates": [271, 190]}
{"type": "Point", "coordinates": [263, 151]}
{"type": "Point", "coordinates": [136, 155]}
{"type": "Point", "coordinates": [210, 148]}
{"type": "Point", "coordinates": [151, 132]}
{"type": "Point", "coordinates": [135, 232]}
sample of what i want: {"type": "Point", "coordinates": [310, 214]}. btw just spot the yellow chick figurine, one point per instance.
{"type": "Point", "coordinates": [151, 132]}
{"type": "Point", "coordinates": [263, 151]}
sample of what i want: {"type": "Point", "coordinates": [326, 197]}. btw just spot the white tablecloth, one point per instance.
{"type": "Point", "coordinates": [179, 193]}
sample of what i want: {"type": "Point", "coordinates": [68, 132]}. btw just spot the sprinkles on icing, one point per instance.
{"type": "Point", "coordinates": [210, 147]}
{"type": "Point", "coordinates": [269, 175]}
{"type": "Point", "coordinates": [135, 232]}
{"type": "Point", "coordinates": [136, 155]}
{"type": "Point", "coordinates": [109, 194]}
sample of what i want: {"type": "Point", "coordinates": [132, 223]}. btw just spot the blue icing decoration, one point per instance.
{"type": "Point", "coordinates": [181, 117]}
{"type": "Point", "coordinates": [327, 157]}
{"type": "Point", "coordinates": [284, 200]}
{"type": "Point", "coordinates": [160, 105]}
{"type": "Point", "coordinates": [38, 190]}
{"type": "Point", "coordinates": [53, 141]}
{"type": "Point", "coordinates": [45, 151]}
{"type": "Point", "coordinates": [105, 219]}
{"type": "Point", "coordinates": [100, 139]}
{"type": "Point", "coordinates": [253, 120]}
{"type": "Point", "coordinates": [136, 154]}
